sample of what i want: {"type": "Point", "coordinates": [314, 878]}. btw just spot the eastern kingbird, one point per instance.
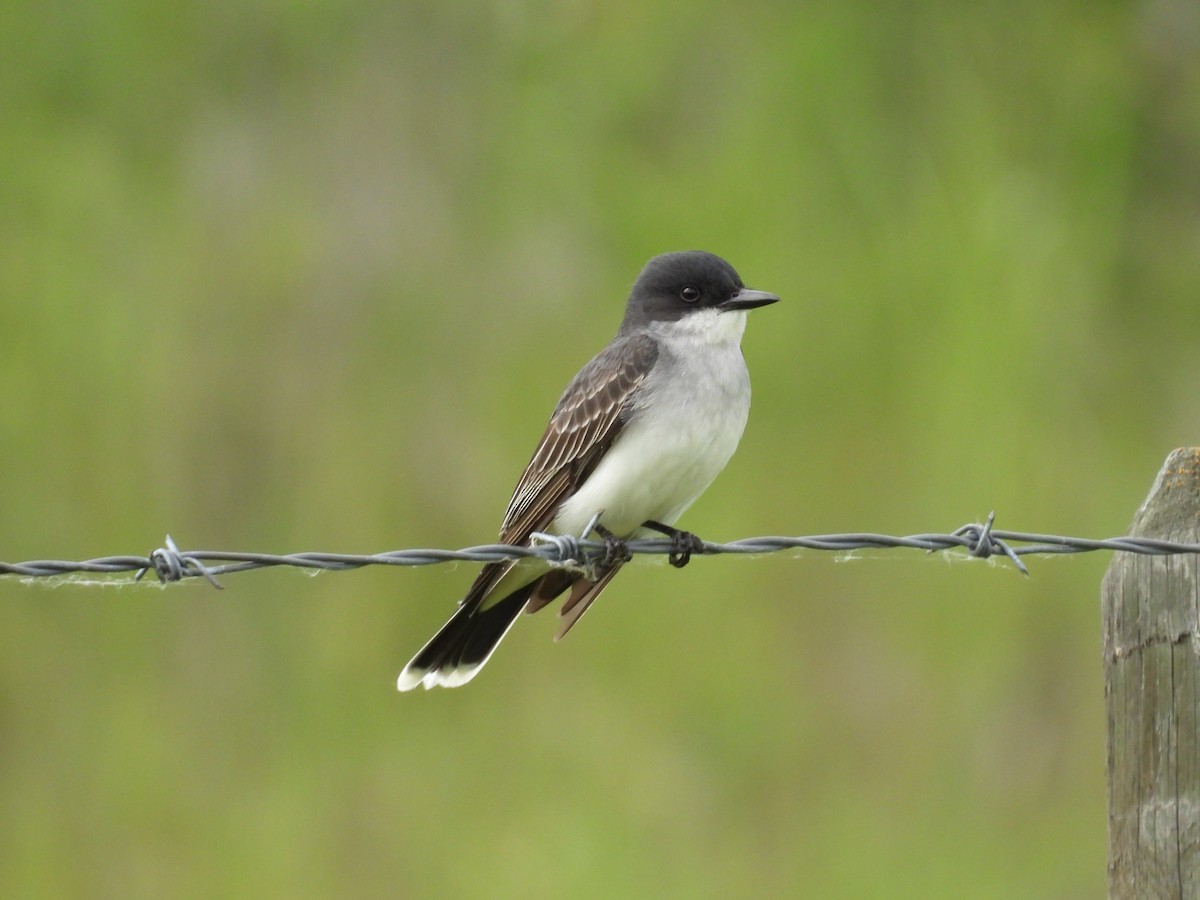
{"type": "Point", "coordinates": [636, 437]}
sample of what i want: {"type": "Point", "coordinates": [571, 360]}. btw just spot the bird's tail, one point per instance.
{"type": "Point", "coordinates": [458, 651]}
{"type": "Point", "coordinates": [460, 648]}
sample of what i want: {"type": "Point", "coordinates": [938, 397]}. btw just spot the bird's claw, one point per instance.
{"type": "Point", "coordinates": [616, 551]}
{"type": "Point", "coordinates": [683, 545]}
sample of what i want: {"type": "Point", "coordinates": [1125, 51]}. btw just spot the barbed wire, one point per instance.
{"type": "Point", "coordinates": [979, 540]}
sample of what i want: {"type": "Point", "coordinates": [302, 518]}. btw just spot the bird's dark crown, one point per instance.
{"type": "Point", "coordinates": [675, 284]}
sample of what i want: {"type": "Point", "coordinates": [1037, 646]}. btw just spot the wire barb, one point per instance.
{"type": "Point", "coordinates": [982, 544]}
{"type": "Point", "coordinates": [568, 549]}
{"type": "Point", "coordinates": [171, 565]}
{"type": "Point", "coordinates": [980, 541]}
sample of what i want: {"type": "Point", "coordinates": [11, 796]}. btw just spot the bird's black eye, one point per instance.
{"type": "Point", "coordinates": [690, 294]}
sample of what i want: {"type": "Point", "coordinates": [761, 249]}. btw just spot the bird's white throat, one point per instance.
{"type": "Point", "coordinates": [704, 326]}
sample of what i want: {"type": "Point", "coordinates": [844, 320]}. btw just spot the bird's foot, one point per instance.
{"type": "Point", "coordinates": [616, 551]}
{"type": "Point", "coordinates": [683, 543]}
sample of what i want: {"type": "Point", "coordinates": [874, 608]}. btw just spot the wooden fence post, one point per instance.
{"type": "Point", "coordinates": [1150, 607]}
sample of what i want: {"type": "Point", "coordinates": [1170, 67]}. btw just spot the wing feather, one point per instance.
{"type": "Point", "coordinates": [586, 421]}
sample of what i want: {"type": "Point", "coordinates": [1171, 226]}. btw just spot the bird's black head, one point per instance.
{"type": "Point", "coordinates": [676, 285]}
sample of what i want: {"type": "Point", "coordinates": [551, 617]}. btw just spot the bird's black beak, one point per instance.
{"type": "Point", "coordinates": [747, 299]}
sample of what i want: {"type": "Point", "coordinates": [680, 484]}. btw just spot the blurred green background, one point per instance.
{"type": "Point", "coordinates": [310, 277]}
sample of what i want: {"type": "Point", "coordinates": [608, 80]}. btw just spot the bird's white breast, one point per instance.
{"type": "Point", "coordinates": [688, 418]}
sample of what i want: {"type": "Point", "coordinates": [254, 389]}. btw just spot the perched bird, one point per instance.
{"type": "Point", "coordinates": [636, 437]}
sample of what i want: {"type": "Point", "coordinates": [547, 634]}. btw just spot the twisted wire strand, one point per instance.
{"type": "Point", "coordinates": [169, 563]}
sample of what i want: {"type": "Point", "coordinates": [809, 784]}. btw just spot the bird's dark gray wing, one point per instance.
{"type": "Point", "coordinates": [586, 421]}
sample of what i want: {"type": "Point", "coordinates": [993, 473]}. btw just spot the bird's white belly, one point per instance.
{"type": "Point", "coordinates": [662, 461]}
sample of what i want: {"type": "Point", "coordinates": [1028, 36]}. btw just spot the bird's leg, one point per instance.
{"type": "Point", "coordinates": [615, 550]}
{"type": "Point", "coordinates": [683, 543]}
